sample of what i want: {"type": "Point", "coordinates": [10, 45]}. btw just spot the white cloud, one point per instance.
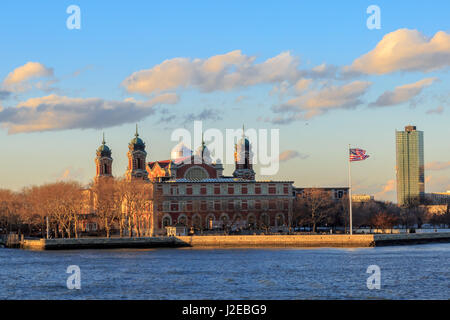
{"type": "Point", "coordinates": [302, 85]}
{"type": "Point", "coordinates": [402, 93]}
{"type": "Point", "coordinates": [437, 110]}
{"type": "Point", "coordinates": [291, 154]}
{"type": "Point", "coordinates": [405, 50]}
{"type": "Point", "coordinates": [55, 112]}
{"type": "Point", "coordinates": [386, 189]}
{"type": "Point", "coordinates": [220, 72]}
{"type": "Point", "coordinates": [437, 165]}
{"type": "Point", "coordinates": [16, 79]}
{"type": "Point", "coordinates": [317, 102]}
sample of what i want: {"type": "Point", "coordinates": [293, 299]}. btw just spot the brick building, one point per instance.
{"type": "Point", "coordinates": [191, 190]}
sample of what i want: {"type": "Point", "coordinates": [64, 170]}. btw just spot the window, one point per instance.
{"type": "Point", "coordinates": [174, 206]}
{"type": "Point", "coordinates": [174, 190]}
{"type": "Point", "coordinates": [216, 189]}
{"type": "Point", "coordinates": [244, 189]}
{"type": "Point", "coordinates": [265, 220]}
{"type": "Point", "coordinates": [189, 189]}
{"type": "Point", "coordinates": [230, 189]}
{"type": "Point", "coordinates": [272, 189]}
{"type": "Point", "coordinates": [285, 189]}
{"type": "Point", "coordinates": [251, 221]}
{"type": "Point", "coordinates": [210, 222]}
{"type": "Point", "coordinates": [280, 220]}
{"type": "Point", "coordinates": [182, 220]}
{"type": "Point", "coordinates": [244, 205]}
{"type": "Point", "coordinates": [258, 189]}
{"type": "Point", "coordinates": [203, 205]}
{"type": "Point", "coordinates": [203, 189]}
{"type": "Point", "coordinates": [197, 222]}
{"type": "Point", "coordinates": [217, 205]}
{"type": "Point", "coordinates": [189, 205]}
{"type": "Point", "coordinates": [196, 173]}
{"type": "Point", "coordinates": [166, 222]}
{"type": "Point", "coordinates": [258, 204]}
{"type": "Point", "coordinates": [272, 204]}
{"type": "Point", "coordinates": [230, 205]}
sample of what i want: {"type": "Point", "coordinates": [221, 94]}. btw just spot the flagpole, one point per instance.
{"type": "Point", "coordinates": [350, 190]}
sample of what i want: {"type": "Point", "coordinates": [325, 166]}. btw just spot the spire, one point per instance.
{"type": "Point", "coordinates": [243, 130]}
{"type": "Point", "coordinates": [103, 141]}
{"type": "Point", "coordinates": [137, 134]}
{"type": "Point", "coordinates": [203, 145]}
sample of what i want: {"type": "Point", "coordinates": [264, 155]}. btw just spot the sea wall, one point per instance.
{"type": "Point", "coordinates": [410, 238]}
{"type": "Point", "coordinates": [102, 243]}
{"type": "Point", "coordinates": [280, 241]}
{"type": "Point", "coordinates": [236, 241]}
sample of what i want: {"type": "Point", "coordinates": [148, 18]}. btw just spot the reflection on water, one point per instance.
{"type": "Point", "coordinates": [407, 272]}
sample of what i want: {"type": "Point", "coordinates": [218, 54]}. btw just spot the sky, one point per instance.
{"type": "Point", "coordinates": [311, 69]}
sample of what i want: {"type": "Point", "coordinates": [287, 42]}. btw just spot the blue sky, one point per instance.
{"type": "Point", "coordinates": [118, 39]}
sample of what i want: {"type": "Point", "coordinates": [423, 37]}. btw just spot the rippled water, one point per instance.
{"type": "Point", "coordinates": [407, 272]}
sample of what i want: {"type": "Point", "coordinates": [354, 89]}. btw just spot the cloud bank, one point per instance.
{"type": "Point", "coordinates": [291, 154]}
{"type": "Point", "coordinates": [55, 112]}
{"type": "Point", "coordinates": [405, 50]}
{"type": "Point", "coordinates": [221, 72]}
{"type": "Point", "coordinates": [317, 102]}
{"type": "Point", "coordinates": [437, 165]}
{"type": "Point", "coordinates": [402, 93]}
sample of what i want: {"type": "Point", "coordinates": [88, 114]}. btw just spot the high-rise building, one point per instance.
{"type": "Point", "coordinates": [410, 166]}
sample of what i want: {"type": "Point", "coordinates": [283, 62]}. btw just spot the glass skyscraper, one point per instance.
{"type": "Point", "coordinates": [410, 166]}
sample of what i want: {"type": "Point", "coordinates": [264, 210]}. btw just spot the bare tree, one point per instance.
{"type": "Point", "coordinates": [107, 202]}
{"type": "Point", "coordinates": [313, 207]}
{"type": "Point", "coordinates": [383, 220]}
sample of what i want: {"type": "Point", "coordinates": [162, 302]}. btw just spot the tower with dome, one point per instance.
{"type": "Point", "coordinates": [103, 161]}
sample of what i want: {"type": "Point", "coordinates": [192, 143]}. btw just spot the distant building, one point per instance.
{"type": "Point", "coordinates": [336, 193]}
{"type": "Point", "coordinates": [410, 166]}
{"type": "Point", "coordinates": [438, 197]}
{"type": "Point", "coordinates": [362, 197]}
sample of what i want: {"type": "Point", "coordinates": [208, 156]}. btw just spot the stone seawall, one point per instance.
{"type": "Point", "coordinates": [102, 243]}
{"type": "Point", "coordinates": [281, 241]}
{"type": "Point", "coordinates": [236, 241]}
{"type": "Point", "coordinates": [410, 238]}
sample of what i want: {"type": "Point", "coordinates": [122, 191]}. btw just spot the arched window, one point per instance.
{"type": "Point", "coordinates": [197, 222]}
{"type": "Point", "coordinates": [182, 220]}
{"type": "Point", "coordinates": [167, 221]}
{"type": "Point", "coordinates": [280, 220]}
{"type": "Point", "coordinates": [210, 221]}
{"type": "Point", "coordinates": [196, 173]}
{"type": "Point", "coordinates": [251, 221]}
{"type": "Point", "coordinates": [265, 219]}
{"type": "Point", "coordinates": [105, 168]}
{"type": "Point", "coordinates": [224, 218]}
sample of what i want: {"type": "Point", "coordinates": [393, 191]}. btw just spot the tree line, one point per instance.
{"type": "Point", "coordinates": [124, 208]}
{"type": "Point", "coordinates": [316, 208]}
{"type": "Point", "coordinates": [119, 206]}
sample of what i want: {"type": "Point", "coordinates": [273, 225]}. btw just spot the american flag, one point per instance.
{"type": "Point", "coordinates": [358, 154]}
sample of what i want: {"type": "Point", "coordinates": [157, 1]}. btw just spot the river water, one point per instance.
{"type": "Point", "coordinates": [407, 272]}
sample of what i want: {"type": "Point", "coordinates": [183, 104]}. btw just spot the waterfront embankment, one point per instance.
{"type": "Point", "coordinates": [236, 241]}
